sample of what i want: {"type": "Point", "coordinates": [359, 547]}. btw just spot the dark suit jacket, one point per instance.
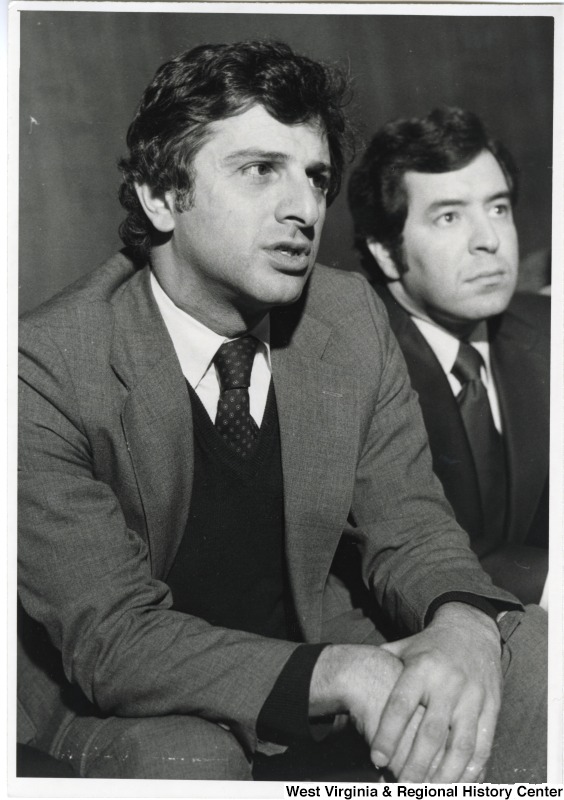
{"type": "Point", "coordinates": [106, 466]}
{"type": "Point", "coordinates": [520, 358]}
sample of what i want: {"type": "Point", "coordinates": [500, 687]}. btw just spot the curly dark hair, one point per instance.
{"type": "Point", "coordinates": [446, 140]}
{"type": "Point", "coordinates": [209, 83]}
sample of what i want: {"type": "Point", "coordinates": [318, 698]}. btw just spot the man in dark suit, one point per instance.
{"type": "Point", "coordinates": [432, 204]}
{"type": "Point", "coordinates": [210, 425]}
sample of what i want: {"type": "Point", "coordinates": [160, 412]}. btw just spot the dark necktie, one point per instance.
{"type": "Point", "coordinates": [234, 362]}
{"type": "Point", "coordinates": [486, 443]}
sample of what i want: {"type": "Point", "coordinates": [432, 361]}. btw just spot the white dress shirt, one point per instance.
{"type": "Point", "coordinates": [196, 345]}
{"type": "Point", "coordinates": [445, 347]}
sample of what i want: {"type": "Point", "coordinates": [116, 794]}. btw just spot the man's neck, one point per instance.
{"type": "Point", "coordinates": [225, 320]}
{"type": "Point", "coordinates": [461, 329]}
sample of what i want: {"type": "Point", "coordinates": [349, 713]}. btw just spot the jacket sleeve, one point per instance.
{"type": "Point", "coordinates": [85, 576]}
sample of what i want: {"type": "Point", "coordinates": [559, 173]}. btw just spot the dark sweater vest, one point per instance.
{"type": "Point", "coordinates": [230, 568]}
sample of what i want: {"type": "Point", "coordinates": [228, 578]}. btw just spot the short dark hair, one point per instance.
{"type": "Point", "coordinates": [446, 140]}
{"type": "Point", "coordinates": [209, 83]}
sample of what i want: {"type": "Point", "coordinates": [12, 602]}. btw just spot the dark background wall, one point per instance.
{"type": "Point", "coordinates": [82, 73]}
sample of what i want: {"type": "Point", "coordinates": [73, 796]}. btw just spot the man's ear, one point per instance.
{"type": "Point", "coordinates": [158, 208]}
{"type": "Point", "coordinates": [382, 256]}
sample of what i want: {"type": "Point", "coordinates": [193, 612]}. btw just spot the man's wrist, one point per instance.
{"type": "Point", "coordinates": [325, 693]}
{"type": "Point", "coordinates": [461, 614]}
{"type": "Point", "coordinates": [345, 674]}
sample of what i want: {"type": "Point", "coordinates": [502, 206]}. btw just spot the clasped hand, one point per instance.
{"type": "Point", "coordinates": [427, 705]}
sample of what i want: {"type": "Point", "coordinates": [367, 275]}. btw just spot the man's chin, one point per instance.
{"type": "Point", "coordinates": [488, 302]}
{"type": "Point", "coordinates": [288, 298]}
{"type": "Point", "coordinates": [493, 305]}
{"type": "Point", "coordinates": [288, 289]}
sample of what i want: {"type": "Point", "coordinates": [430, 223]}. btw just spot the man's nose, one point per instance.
{"type": "Point", "coordinates": [484, 235]}
{"type": "Point", "coordinates": [300, 202]}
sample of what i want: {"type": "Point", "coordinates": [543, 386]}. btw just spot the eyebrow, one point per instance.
{"type": "Point", "coordinates": [457, 202]}
{"type": "Point", "coordinates": [271, 155]}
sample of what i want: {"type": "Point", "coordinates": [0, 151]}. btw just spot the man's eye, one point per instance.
{"type": "Point", "coordinates": [500, 209]}
{"type": "Point", "coordinates": [260, 170]}
{"type": "Point", "coordinates": [320, 181]}
{"type": "Point", "coordinates": [447, 218]}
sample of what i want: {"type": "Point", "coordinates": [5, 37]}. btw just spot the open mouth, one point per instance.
{"type": "Point", "coordinates": [292, 257]}
{"type": "Point", "coordinates": [293, 251]}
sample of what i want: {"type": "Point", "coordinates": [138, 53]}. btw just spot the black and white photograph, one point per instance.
{"type": "Point", "coordinates": [289, 452]}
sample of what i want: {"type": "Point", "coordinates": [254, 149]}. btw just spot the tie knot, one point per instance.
{"type": "Point", "coordinates": [468, 363]}
{"type": "Point", "coordinates": [234, 362]}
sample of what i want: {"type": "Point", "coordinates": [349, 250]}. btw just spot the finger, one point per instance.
{"type": "Point", "coordinates": [401, 706]}
{"type": "Point", "coordinates": [435, 763]}
{"type": "Point", "coordinates": [462, 739]}
{"type": "Point", "coordinates": [403, 749]}
{"type": "Point", "coordinates": [429, 743]}
{"type": "Point", "coordinates": [484, 733]}
{"type": "Point", "coordinates": [486, 730]}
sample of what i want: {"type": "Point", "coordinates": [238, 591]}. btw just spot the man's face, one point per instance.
{"type": "Point", "coordinates": [250, 238]}
{"type": "Point", "coordinates": [460, 244]}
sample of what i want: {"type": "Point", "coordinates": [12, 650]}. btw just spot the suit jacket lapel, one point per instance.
{"type": "Point", "coordinates": [452, 459]}
{"type": "Point", "coordinates": [519, 369]}
{"type": "Point", "coordinates": [156, 418]}
{"type": "Point", "coordinates": [316, 408]}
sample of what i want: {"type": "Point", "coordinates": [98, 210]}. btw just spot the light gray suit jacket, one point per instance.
{"type": "Point", "coordinates": [105, 478]}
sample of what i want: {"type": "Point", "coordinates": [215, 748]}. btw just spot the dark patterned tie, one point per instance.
{"type": "Point", "coordinates": [485, 441]}
{"type": "Point", "coordinates": [234, 362]}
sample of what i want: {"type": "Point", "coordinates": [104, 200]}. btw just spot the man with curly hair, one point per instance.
{"type": "Point", "coordinates": [216, 433]}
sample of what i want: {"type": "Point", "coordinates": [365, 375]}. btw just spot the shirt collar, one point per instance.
{"type": "Point", "coordinates": [445, 345]}
{"type": "Point", "coordinates": [196, 344]}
